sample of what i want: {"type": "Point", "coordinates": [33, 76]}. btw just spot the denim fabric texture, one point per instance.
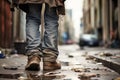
{"type": "Point", "coordinates": [33, 21]}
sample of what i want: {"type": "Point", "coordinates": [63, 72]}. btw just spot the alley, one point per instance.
{"type": "Point", "coordinates": [76, 65]}
{"type": "Point", "coordinates": [85, 23]}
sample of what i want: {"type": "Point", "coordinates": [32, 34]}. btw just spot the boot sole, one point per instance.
{"type": "Point", "coordinates": [50, 69]}
{"type": "Point", "coordinates": [33, 67]}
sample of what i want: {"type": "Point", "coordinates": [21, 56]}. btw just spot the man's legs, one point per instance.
{"type": "Point", "coordinates": [33, 37]}
{"type": "Point", "coordinates": [50, 44]}
{"type": "Point", "coordinates": [50, 41]}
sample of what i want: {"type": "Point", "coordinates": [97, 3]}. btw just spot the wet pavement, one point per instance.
{"type": "Point", "coordinates": [76, 65]}
{"type": "Point", "coordinates": [109, 58]}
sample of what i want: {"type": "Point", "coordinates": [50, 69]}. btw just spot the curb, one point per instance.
{"type": "Point", "coordinates": [108, 63]}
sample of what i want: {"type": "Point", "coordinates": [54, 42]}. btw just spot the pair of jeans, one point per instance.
{"type": "Point", "coordinates": [33, 22]}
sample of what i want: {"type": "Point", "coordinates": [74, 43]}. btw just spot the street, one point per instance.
{"type": "Point", "coordinates": [77, 64]}
{"type": "Point", "coordinates": [77, 23]}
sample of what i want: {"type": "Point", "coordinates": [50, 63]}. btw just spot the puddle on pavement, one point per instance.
{"type": "Point", "coordinates": [10, 76]}
{"type": "Point", "coordinates": [88, 76]}
{"type": "Point", "coordinates": [34, 76]}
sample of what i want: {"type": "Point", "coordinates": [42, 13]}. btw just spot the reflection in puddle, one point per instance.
{"type": "Point", "coordinates": [42, 76]}
{"type": "Point", "coordinates": [10, 76]}
{"type": "Point", "coordinates": [53, 75]}
{"type": "Point", "coordinates": [30, 75]}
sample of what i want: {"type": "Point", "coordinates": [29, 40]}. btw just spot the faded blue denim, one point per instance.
{"type": "Point", "coordinates": [33, 19]}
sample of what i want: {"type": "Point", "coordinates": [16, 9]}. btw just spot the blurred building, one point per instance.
{"type": "Point", "coordinates": [102, 18]}
{"type": "Point", "coordinates": [12, 25]}
{"type": "Point", "coordinates": [5, 24]}
{"type": "Point", "coordinates": [66, 28]}
{"type": "Point", "coordinates": [19, 23]}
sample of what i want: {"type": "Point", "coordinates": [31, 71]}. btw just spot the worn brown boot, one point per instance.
{"type": "Point", "coordinates": [48, 66]}
{"type": "Point", "coordinates": [33, 63]}
{"type": "Point", "coordinates": [49, 60]}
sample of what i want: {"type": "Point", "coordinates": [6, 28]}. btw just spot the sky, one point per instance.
{"type": "Point", "coordinates": [76, 6]}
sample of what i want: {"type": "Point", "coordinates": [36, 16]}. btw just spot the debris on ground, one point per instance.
{"type": "Point", "coordinates": [87, 76]}
{"type": "Point", "coordinates": [75, 65]}
{"type": "Point", "coordinates": [8, 67]}
{"type": "Point", "coordinates": [117, 78]}
{"type": "Point", "coordinates": [115, 57]}
{"type": "Point", "coordinates": [85, 54]}
{"type": "Point", "coordinates": [70, 56]}
{"type": "Point", "coordinates": [81, 69]}
{"type": "Point", "coordinates": [23, 78]}
{"type": "Point", "coordinates": [105, 54]}
{"type": "Point", "coordinates": [89, 58]}
{"type": "Point", "coordinates": [56, 75]}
